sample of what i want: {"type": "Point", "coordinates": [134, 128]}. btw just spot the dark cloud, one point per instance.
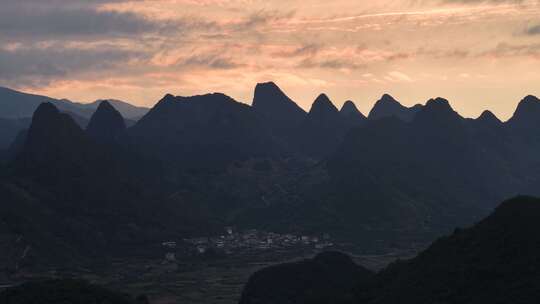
{"type": "Point", "coordinates": [40, 66]}
{"type": "Point", "coordinates": [504, 49]}
{"type": "Point", "coordinates": [304, 50]}
{"type": "Point", "coordinates": [261, 18]}
{"type": "Point", "coordinates": [208, 60]}
{"type": "Point", "coordinates": [534, 30]}
{"type": "Point", "coordinates": [335, 64]}
{"type": "Point", "coordinates": [61, 18]}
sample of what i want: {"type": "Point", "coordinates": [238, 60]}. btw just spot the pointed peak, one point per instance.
{"type": "Point", "coordinates": [528, 102]}
{"type": "Point", "coordinates": [488, 116]}
{"type": "Point", "coordinates": [530, 98]}
{"type": "Point", "coordinates": [348, 106]}
{"type": "Point", "coordinates": [389, 106]}
{"type": "Point", "coordinates": [45, 113]}
{"type": "Point", "coordinates": [268, 93]}
{"type": "Point", "coordinates": [106, 123]}
{"type": "Point", "coordinates": [322, 98]}
{"type": "Point", "coordinates": [271, 102]}
{"type": "Point", "coordinates": [527, 112]}
{"type": "Point", "coordinates": [168, 99]}
{"type": "Point", "coordinates": [46, 109]}
{"type": "Point", "coordinates": [323, 103]}
{"type": "Point", "coordinates": [388, 99]}
{"type": "Point", "coordinates": [105, 105]}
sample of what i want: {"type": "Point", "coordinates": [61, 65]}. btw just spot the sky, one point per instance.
{"type": "Point", "coordinates": [477, 54]}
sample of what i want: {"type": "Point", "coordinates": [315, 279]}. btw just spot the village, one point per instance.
{"type": "Point", "coordinates": [234, 242]}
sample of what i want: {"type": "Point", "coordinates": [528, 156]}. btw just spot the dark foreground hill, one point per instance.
{"type": "Point", "coordinates": [65, 291]}
{"type": "Point", "coordinates": [495, 261]}
{"type": "Point", "coordinates": [328, 277]}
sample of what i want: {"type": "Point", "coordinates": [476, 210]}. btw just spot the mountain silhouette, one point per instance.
{"type": "Point", "coordinates": [106, 124]}
{"type": "Point", "coordinates": [388, 106]}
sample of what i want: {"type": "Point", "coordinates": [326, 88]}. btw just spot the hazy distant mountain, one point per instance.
{"type": "Point", "coordinates": [329, 277]}
{"type": "Point", "coordinates": [495, 261]}
{"type": "Point", "coordinates": [106, 124]}
{"type": "Point", "coordinates": [15, 104]}
{"type": "Point", "coordinates": [9, 128]}
{"type": "Point", "coordinates": [388, 106]}
{"type": "Point", "coordinates": [202, 131]}
{"type": "Point", "coordinates": [351, 114]}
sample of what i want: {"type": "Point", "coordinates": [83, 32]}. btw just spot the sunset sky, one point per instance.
{"type": "Point", "coordinates": [478, 54]}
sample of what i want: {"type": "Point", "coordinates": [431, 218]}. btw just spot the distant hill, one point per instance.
{"type": "Point", "coordinates": [495, 261]}
{"type": "Point", "coordinates": [15, 104]}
